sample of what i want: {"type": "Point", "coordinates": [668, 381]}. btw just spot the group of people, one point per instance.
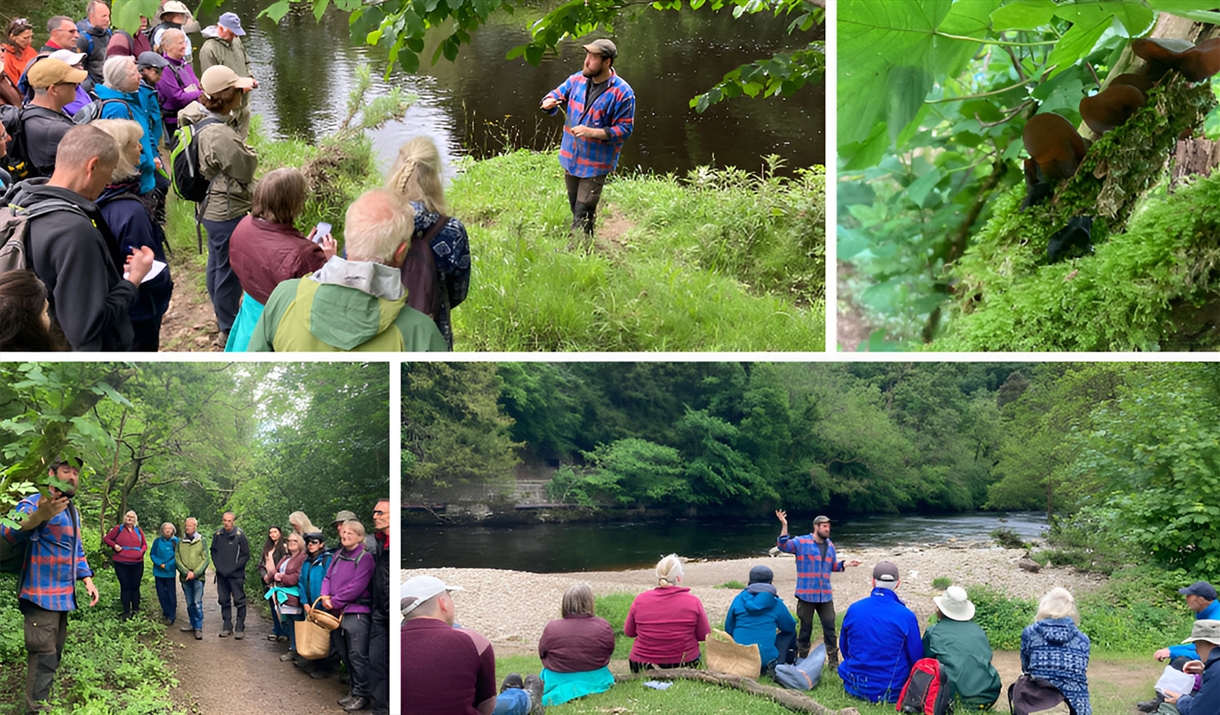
{"type": "Point", "coordinates": [300, 572]}
{"type": "Point", "coordinates": [90, 193]}
{"type": "Point", "coordinates": [450, 669]}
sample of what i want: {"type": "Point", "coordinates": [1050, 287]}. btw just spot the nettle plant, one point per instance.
{"type": "Point", "coordinates": [944, 246]}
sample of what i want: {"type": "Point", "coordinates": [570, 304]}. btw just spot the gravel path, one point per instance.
{"type": "Point", "coordinates": [512, 607]}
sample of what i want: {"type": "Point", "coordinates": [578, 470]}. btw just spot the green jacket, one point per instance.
{"type": "Point", "coordinates": [965, 657]}
{"type": "Point", "coordinates": [345, 306]}
{"type": "Point", "coordinates": [232, 54]}
{"type": "Point", "coordinates": [227, 161]}
{"type": "Point", "coordinates": [192, 556]}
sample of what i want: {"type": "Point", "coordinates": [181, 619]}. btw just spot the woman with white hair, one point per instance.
{"type": "Point", "coordinates": [962, 649]}
{"type": "Point", "coordinates": [439, 244]}
{"type": "Point", "coordinates": [668, 622]}
{"type": "Point", "coordinates": [346, 592]}
{"type": "Point", "coordinates": [129, 547]}
{"type": "Point", "coordinates": [119, 98]}
{"type": "Point", "coordinates": [1056, 651]}
{"type": "Point", "coordinates": [128, 220]}
{"type": "Point", "coordinates": [165, 568]}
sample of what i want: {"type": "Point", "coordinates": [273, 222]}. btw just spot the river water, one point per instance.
{"type": "Point", "coordinates": [553, 548]}
{"type": "Point", "coordinates": [481, 101]}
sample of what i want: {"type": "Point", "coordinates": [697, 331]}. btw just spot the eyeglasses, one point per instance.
{"type": "Point", "coordinates": [379, 512]}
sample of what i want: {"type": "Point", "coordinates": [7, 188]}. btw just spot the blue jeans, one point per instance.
{"type": "Point", "coordinates": [192, 593]}
{"type": "Point", "coordinates": [167, 594]}
{"type": "Point", "coordinates": [277, 628]}
{"type": "Point", "coordinates": [222, 282]}
{"type": "Point", "coordinates": [513, 701]}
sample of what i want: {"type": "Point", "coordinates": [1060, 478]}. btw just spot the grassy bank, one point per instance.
{"type": "Point", "coordinates": [717, 261]}
{"type": "Point", "coordinates": [109, 666]}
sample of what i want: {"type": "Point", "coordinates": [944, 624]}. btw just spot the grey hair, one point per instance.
{"type": "Point", "coordinates": [1057, 603]}
{"type": "Point", "coordinates": [172, 529]}
{"type": "Point", "coordinates": [377, 224]}
{"type": "Point", "coordinates": [83, 143]}
{"type": "Point", "coordinates": [54, 23]}
{"type": "Point", "coordinates": [355, 526]}
{"type": "Point", "coordinates": [190, 518]}
{"type": "Point", "coordinates": [577, 600]}
{"type": "Point", "coordinates": [115, 70]}
{"type": "Point", "coordinates": [126, 134]}
{"type": "Point", "coordinates": [171, 32]}
{"type": "Point", "coordinates": [669, 570]}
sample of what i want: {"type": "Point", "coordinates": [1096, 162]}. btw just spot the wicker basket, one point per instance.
{"type": "Point", "coordinates": [313, 641]}
{"type": "Point", "coordinates": [322, 618]}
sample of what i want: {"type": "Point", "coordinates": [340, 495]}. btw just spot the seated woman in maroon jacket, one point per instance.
{"type": "Point", "coordinates": [668, 622]}
{"type": "Point", "coordinates": [575, 650]}
{"type": "Point", "coordinates": [267, 249]}
{"type": "Point", "coordinates": [129, 546]}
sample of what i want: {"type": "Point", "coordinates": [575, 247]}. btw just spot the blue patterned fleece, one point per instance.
{"type": "Point", "coordinates": [1056, 651]}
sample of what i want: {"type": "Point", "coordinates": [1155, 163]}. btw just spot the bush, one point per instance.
{"type": "Point", "coordinates": [940, 583]}
{"type": "Point", "coordinates": [1009, 539]}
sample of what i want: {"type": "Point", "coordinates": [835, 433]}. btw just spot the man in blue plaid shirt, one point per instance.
{"type": "Point", "coordinates": [600, 108]}
{"type": "Point", "coordinates": [816, 559]}
{"type": "Point", "coordinates": [54, 562]}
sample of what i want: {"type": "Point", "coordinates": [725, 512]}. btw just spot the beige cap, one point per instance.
{"type": "Point", "coordinates": [218, 78]}
{"type": "Point", "coordinates": [603, 47]}
{"type": "Point", "coordinates": [48, 72]}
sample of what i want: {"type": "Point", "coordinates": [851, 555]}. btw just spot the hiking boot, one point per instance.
{"type": "Point", "coordinates": [357, 703]}
{"type": "Point", "coordinates": [533, 686]}
{"type": "Point", "coordinates": [169, 621]}
{"type": "Point", "coordinates": [187, 628]}
{"type": "Point", "coordinates": [198, 634]}
{"type": "Point", "coordinates": [512, 680]}
{"type": "Point", "coordinates": [343, 701]}
{"type": "Point", "coordinates": [321, 674]}
{"type": "Point", "coordinates": [238, 635]}
{"type": "Point", "coordinates": [287, 657]}
{"type": "Point", "coordinates": [226, 633]}
{"type": "Point", "coordinates": [1148, 706]}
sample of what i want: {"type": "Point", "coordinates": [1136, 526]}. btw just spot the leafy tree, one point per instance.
{"type": "Point", "coordinates": [630, 472]}
{"type": "Point", "coordinates": [717, 471]}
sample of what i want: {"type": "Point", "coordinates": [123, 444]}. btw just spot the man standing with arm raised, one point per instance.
{"type": "Point", "coordinates": [815, 561]}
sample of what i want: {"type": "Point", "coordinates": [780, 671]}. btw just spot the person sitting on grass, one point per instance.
{"type": "Point", "coordinates": [1206, 638]}
{"type": "Point", "coordinates": [1200, 598]}
{"type": "Point", "coordinates": [879, 641]}
{"type": "Point", "coordinates": [1055, 650]}
{"type": "Point", "coordinates": [962, 649]}
{"type": "Point", "coordinates": [759, 617]}
{"type": "Point", "coordinates": [668, 622]}
{"type": "Point", "coordinates": [575, 650]}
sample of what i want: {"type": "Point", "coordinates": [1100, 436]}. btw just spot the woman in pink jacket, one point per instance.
{"type": "Point", "coordinates": [668, 622]}
{"type": "Point", "coordinates": [129, 546]}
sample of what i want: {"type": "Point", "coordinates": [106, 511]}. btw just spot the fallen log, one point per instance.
{"type": "Point", "coordinates": [792, 699]}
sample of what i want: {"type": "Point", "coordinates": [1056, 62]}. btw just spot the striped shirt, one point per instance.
{"type": "Point", "coordinates": [55, 559]}
{"type": "Point", "coordinates": [613, 110]}
{"type": "Point", "coordinates": [812, 568]}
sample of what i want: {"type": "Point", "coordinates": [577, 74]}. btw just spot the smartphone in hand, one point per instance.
{"type": "Point", "coordinates": [321, 230]}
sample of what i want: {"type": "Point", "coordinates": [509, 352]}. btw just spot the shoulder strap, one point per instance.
{"type": "Point", "coordinates": [435, 228]}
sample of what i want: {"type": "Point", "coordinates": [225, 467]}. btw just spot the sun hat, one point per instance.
{"type": "Point", "coordinates": [217, 79]}
{"type": "Point", "coordinates": [955, 604]}
{"type": "Point", "coordinates": [343, 516]}
{"type": "Point", "coordinates": [422, 588]}
{"type": "Point", "coordinates": [173, 6]}
{"type": "Point", "coordinates": [1205, 630]}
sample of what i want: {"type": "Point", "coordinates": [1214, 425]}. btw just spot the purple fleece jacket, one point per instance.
{"type": "Point", "coordinates": [347, 581]}
{"type": "Point", "coordinates": [171, 89]}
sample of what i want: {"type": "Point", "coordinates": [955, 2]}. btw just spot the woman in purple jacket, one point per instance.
{"type": "Point", "coordinates": [346, 590]}
{"type": "Point", "coordinates": [575, 650]}
{"type": "Point", "coordinates": [178, 85]}
{"type": "Point", "coordinates": [129, 548]}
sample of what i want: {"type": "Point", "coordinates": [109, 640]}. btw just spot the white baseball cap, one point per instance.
{"type": "Point", "coordinates": [67, 56]}
{"type": "Point", "coordinates": [422, 588]}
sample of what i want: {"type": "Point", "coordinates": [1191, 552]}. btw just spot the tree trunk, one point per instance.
{"type": "Point", "coordinates": [1194, 157]}
{"type": "Point", "coordinates": [791, 699]}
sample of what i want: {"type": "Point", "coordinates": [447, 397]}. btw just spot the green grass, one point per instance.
{"type": "Point", "coordinates": [940, 583]}
{"type": "Point", "coordinates": [734, 585]}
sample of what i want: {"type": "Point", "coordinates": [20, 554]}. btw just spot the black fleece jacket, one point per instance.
{"type": "Point", "coordinates": [78, 260]}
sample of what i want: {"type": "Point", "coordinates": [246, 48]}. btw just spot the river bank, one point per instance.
{"type": "Point", "coordinates": [512, 607]}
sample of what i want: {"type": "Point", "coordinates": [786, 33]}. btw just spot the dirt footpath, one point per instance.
{"type": "Point", "coordinates": [219, 676]}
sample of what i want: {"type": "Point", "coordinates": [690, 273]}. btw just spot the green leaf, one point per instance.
{"type": "Point", "coordinates": [1197, 10]}
{"type": "Point", "coordinates": [278, 10]}
{"type": "Point", "coordinates": [920, 188]}
{"type": "Point", "coordinates": [1023, 15]}
{"type": "Point", "coordinates": [1077, 43]}
{"type": "Point", "coordinates": [125, 14]}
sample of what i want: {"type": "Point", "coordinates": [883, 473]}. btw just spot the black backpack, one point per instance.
{"type": "Point", "coordinates": [93, 110]}
{"type": "Point", "coordinates": [189, 181]}
{"type": "Point", "coordinates": [1035, 696]}
{"type": "Point", "coordinates": [17, 162]}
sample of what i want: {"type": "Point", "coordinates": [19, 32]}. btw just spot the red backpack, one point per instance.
{"type": "Point", "coordinates": [926, 691]}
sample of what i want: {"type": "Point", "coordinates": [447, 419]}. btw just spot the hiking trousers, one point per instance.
{"type": "Point", "coordinates": [379, 664]}
{"type": "Point", "coordinates": [353, 643]}
{"type": "Point", "coordinates": [583, 196]}
{"type": "Point", "coordinates": [45, 633]}
{"type": "Point", "coordinates": [231, 593]}
{"type": "Point", "coordinates": [826, 614]}
{"type": "Point", "coordinates": [223, 285]}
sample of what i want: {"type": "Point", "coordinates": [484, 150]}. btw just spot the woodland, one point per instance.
{"type": "Point", "coordinates": [1119, 455]}
{"type": "Point", "coordinates": [939, 248]}
{"type": "Point", "coordinates": [172, 440]}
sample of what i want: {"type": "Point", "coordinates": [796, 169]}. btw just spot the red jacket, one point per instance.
{"type": "Point", "coordinates": [265, 254]}
{"type": "Point", "coordinates": [667, 624]}
{"type": "Point", "coordinates": [132, 542]}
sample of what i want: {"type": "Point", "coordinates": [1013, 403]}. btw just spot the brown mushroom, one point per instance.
{"type": "Point", "coordinates": [1138, 81]}
{"type": "Point", "coordinates": [1109, 109]}
{"type": "Point", "coordinates": [1053, 143]}
{"type": "Point", "coordinates": [1195, 62]}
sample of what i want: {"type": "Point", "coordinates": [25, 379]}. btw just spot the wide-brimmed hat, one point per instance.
{"type": "Point", "coordinates": [422, 588]}
{"type": "Point", "coordinates": [218, 78]}
{"type": "Point", "coordinates": [1205, 630]}
{"type": "Point", "coordinates": [173, 6]}
{"type": "Point", "coordinates": [955, 604]}
{"type": "Point", "coordinates": [605, 48]}
{"type": "Point", "coordinates": [343, 516]}
{"type": "Point", "coordinates": [48, 73]}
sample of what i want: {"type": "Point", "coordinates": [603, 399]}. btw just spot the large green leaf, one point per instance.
{"type": "Point", "coordinates": [1197, 10]}
{"type": "Point", "coordinates": [125, 14]}
{"type": "Point", "coordinates": [1023, 15]}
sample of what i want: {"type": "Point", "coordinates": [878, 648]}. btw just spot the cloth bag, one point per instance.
{"type": "Point", "coordinates": [724, 655]}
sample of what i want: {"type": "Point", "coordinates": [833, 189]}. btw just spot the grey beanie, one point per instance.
{"type": "Point", "coordinates": [761, 574]}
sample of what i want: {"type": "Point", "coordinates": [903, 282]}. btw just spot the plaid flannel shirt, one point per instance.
{"type": "Point", "coordinates": [55, 558]}
{"type": "Point", "coordinates": [812, 569]}
{"type": "Point", "coordinates": [613, 111]}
